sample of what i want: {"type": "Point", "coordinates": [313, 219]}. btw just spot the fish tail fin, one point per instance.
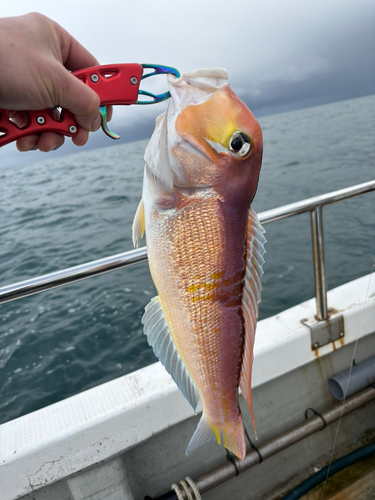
{"type": "Point", "coordinates": [232, 437]}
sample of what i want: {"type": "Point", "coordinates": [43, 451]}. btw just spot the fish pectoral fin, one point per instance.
{"type": "Point", "coordinates": [160, 339]}
{"type": "Point", "coordinates": [251, 299]}
{"type": "Point", "coordinates": [203, 435]}
{"type": "Point", "coordinates": [138, 227]}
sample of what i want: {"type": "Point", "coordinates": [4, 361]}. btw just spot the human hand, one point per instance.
{"type": "Point", "coordinates": [35, 56]}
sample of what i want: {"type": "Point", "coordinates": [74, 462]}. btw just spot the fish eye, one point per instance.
{"type": "Point", "coordinates": [239, 144]}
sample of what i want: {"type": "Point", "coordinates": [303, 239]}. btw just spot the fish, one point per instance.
{"type": "Point", "coordinates": [205, 248]}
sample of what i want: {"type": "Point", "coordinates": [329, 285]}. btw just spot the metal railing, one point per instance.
{"type": "Point", "coordinates": [313, 205]}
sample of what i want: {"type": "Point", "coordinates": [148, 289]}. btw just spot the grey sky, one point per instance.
{"type": "Point", "coordinates": [280, 55]}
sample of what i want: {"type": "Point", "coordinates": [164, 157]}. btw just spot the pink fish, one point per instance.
{"type": "Point", "coordinates": [205, 248]}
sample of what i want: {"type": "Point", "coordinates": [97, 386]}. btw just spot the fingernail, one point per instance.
{"type": "Point", "coordinates": [96, 123]}
{"type": "Point", "coordinates": [52, 148]}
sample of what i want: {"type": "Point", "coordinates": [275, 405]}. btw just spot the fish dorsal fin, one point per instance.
{"type": "Point", "coordinates": [255, 241]}
{"type": "Point", "coordinates": [138, 228]}
{"type": "Point", "coordinates": [160, 339]}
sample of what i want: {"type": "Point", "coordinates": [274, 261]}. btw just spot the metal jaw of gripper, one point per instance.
{"type": "Point", "coordinates": [155, 98]}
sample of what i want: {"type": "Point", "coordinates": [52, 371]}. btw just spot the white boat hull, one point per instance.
{"type": "Point", "coordinates": [126, 439]}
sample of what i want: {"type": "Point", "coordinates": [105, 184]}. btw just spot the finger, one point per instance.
{"type": "Point", "coordinates": [28, 143]}
{"type": "Point", "coordinates": [78, 98]}
{"type": "Point", "coordinates": [109, 113]}
{"type": "Point", "coordinates": [81, 138]}
{"type": "Point", "coordinates": [74, 55]}
{"type": "Point", "coordinates": [49, 141]}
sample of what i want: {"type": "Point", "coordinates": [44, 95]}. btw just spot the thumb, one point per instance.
{"type": "Point", "coordinates": [80, 100]}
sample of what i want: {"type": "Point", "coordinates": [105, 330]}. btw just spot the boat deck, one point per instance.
{"type": "Point", "coordinates": [356, 482]}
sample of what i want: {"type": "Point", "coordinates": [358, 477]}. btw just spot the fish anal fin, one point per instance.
{"type": "Point", "coordinates": [138, 228]}
{"type": "Point", "coordinates": [160, 339]}
{"type": "Point", "coordinates": [255, 241]}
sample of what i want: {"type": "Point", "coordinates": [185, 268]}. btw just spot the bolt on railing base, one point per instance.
{"type": "Point", "coordinates": [324, 332]}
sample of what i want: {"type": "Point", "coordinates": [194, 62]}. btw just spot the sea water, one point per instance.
{"type": "Point", "coordinates": [69, 210]}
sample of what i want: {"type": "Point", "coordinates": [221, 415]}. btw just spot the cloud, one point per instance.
{"type": "Point", "coordinates": [298, 71]}
{"type": "Point", "coordinates": [280, 55]}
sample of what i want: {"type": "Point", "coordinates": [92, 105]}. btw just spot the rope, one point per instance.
{"type": "Point", "coordinates": [193, 486]}
{"type": "Point", "coordinates": [177, 491]}
{"type": "Point", "coordinates": [317, 414]}
{"type": "Point", "coordinates": [187, 489]}
{"type": "Point", "coordinates": [230, 457]}
{"type": "Point", "coordinates": [192, 493]}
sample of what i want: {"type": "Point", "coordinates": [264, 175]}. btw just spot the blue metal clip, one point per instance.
{"type": "Point", "coordinates": [159, 70]}
{"type": "Point", "coordinates": [103, 112]}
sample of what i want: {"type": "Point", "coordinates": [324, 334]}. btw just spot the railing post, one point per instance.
{"type": "Point", "coordinates": [319, 263]}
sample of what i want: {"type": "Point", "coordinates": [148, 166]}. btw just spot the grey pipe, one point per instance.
{"type": "Point", "coordinates": [361, 376]}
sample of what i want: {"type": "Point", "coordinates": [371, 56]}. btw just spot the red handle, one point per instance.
{"type": "Point", "coordinates": [114, 83]}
